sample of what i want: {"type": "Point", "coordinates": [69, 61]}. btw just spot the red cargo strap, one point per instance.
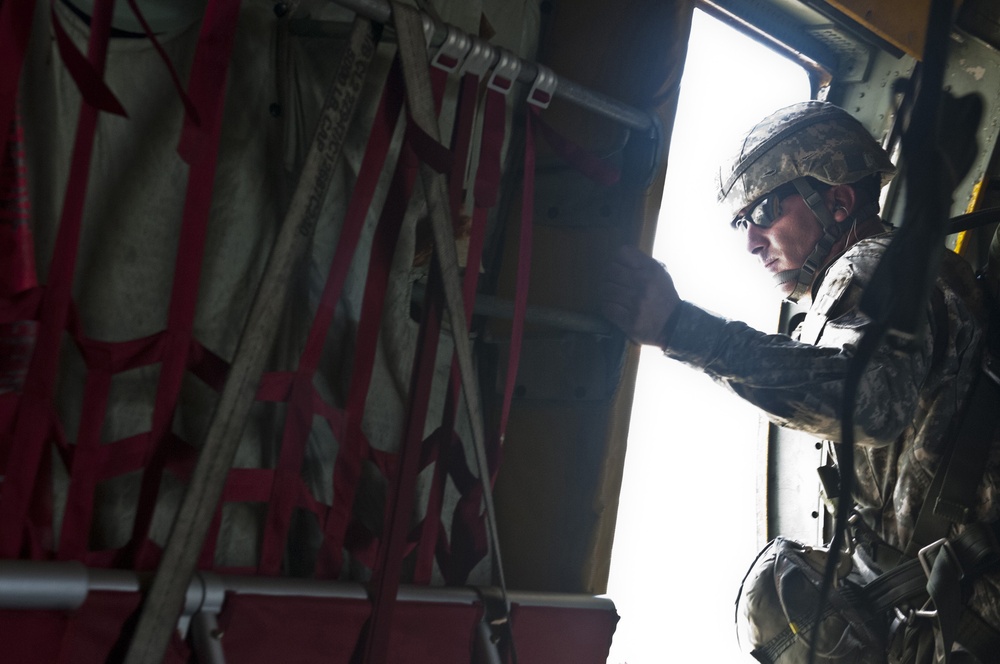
{"type": "Point", "coordinates": [438, 442]}
{"type": "Point", "coordinates": [304, 401]}
{"type": "Point", "coordinates": [189, 107]}
{"type": "Point", "coordinates": [35, 418]}
{"type": "Point", "coordinates": [17, 269]}
{"type": "Point", "coordinates": [15, 28]}
{"type": "Point", "coordinates": [354, 447]}
{"type": "Point", "coordinates": [469, 543]}
{"type": "Point", "coordinates": [443, 442]}
{"type": "Point", "coordinates": [199, 145]}
{"type": "Point", "coordinates": [521, 283]}
{"type": "Point", "coordinates": [88, 78]}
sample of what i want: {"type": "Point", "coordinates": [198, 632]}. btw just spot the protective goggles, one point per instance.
{"type": "Point", "coordinates": [765, 211]}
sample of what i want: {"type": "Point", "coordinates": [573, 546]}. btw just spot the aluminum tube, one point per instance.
{"type": "Point", "coordinates": [27, 584]}
{"type": "Point", "coordinates": [563, 600]}
{"type": "Point", "coordinates": [293, 587]}
{"type": "Point", "coordinates": [207, 639]}
{"type": "Point", "coordinates": [487, 649]}
{"type": "Point", "coordinates": [609, 107]}
{"type": "Point", "coordinates": [559, 319]}
{"type": "Point", "coordinates": [115, 580]}
{"type": "Point", "coordinates": [376, 10]}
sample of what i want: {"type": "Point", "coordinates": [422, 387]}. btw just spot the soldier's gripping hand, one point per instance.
{"type": "Point", "coordinates": [638, 296]}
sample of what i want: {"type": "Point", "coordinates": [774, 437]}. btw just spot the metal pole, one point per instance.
{"type": "Point", "coordinates": [30, 584]}
{"type": "Point", "coordinates": [207, 639]}
{"type": "Point", "coordinates": [599, 103]}
{"type": "Point", "coordinates": [559, 319]}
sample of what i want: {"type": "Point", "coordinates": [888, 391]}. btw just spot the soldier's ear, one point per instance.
{"type": "Point", "coordinates": [842, 200]}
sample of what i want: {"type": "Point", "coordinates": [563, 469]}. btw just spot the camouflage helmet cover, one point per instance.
{"type": "Point", "coordinates": [813, 138]}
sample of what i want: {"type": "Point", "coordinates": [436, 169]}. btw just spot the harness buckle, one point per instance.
{"type": "Point", "coordinates": [925, 554]}
{"type": "Point", "coordinates": [911, 615]}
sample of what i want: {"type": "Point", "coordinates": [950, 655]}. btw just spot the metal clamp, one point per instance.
{"type": "Point", "coordinates": [478, 59]}
{"type": "Point", "coordinates": [452, 51]}
{"type": "Point", "coordinates": [543, 88]}
{"type": "Point", "coordinates": [505, 73]}
{"type": "Point", "coordinates": [924, 556]}
{"type": "Point", "coordinates": [910, 617]}
{"type": "Point", "coordinates": [430, 28]}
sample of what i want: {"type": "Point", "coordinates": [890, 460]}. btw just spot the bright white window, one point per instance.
{"type": "Point", "coordinates": [688, 517]}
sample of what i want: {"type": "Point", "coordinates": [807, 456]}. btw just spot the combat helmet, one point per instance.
{"type": "Point", "coordinates": [812, 139]}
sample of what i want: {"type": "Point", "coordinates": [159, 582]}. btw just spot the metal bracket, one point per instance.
{"type": "Point", "coordinates": [543, 88]}
{"type": "Point", "coordinates": [452, 51]}
{"type": "Point", "coordinates": [478, 59]}
{"type": "Point", "coordinates": [505, 72]}
{"type": "Point", "coordinates": [206, 636]}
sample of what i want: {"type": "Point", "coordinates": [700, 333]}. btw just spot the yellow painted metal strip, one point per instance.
{"type": "Point", "coordinates": [974, 200]}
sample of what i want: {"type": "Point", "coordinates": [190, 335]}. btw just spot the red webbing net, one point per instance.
{"type": "Point", "coordinates": [36, 320]}
{"type": "Point", "coordinates": [44, 317]}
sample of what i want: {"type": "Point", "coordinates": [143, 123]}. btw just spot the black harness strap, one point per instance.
{"type": "Point", "coordinates": [952, 494]}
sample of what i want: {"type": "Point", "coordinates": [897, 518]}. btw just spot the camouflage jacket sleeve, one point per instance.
{"type": "Point", "coordinates": [798, 384]}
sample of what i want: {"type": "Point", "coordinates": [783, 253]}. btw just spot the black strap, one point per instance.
{"type": "Point", "coordinates": [952, 495]}
{"type": "Point", "coordinates": [978, 637]}
{"type": "Point", "coordinates": [953, 567]}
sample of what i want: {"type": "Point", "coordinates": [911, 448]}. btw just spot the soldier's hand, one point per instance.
{"type": "Point", "coordinates": [638, 295]}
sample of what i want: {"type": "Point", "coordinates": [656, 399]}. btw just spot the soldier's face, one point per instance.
{"type": "Point", "coordinates": [788, 241]}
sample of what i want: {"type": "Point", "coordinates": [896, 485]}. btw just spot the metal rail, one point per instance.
{"type": "Point", "coordinates": [529, 72]}
{"type": "Point", "coordinates": [63, 586]}
{"type": "Point", "coordinates": [30, 584]}
{"type": "Point", "coordinates": [559, 319]}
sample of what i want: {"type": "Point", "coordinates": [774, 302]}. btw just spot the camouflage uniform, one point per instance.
{"type": "Point", "coordinates": [906, 403]}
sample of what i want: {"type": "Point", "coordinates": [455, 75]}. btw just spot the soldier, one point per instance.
{"type": "Point", "coordinates": [804, 189]}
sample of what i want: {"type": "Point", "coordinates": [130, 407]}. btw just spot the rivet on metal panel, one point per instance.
{"type": "Point", "coordinates": [543, 88]}
{"type": "Point", "coordinates": [478, 60]}
{"type": "Point", "coordinates": [452, 51]}
{"type": "Point", "coordinates": [505, 73]}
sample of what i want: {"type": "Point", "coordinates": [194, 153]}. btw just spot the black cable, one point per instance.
{"type": "Point", "coordinates": [895, 299]}
{"type": "Point", "coordinates": [977, 219]}
{"type": "Point", "coordinates": [870, 340]}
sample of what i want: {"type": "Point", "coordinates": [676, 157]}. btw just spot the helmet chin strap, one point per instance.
{"type": "Point", "coordinates": [832, 231]}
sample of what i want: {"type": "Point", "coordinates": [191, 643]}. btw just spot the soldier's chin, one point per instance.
{"type": "Point", "coordinates": [784, 289]}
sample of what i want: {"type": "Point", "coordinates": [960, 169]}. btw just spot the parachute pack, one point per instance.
{"type": "Point", "coordinates": [913, 613]}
